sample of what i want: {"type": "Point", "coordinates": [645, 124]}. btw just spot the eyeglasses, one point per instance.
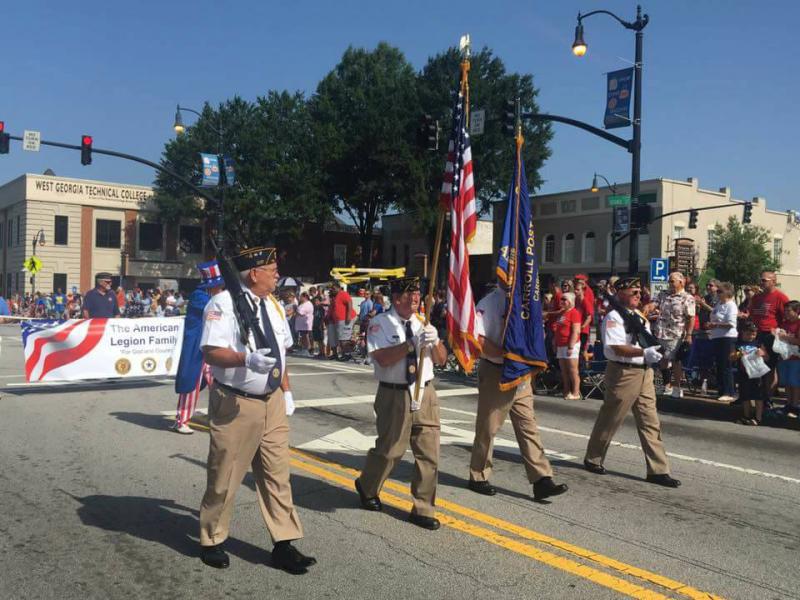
{"type": "Point", "coordinates": [764, 279]}
{"type": "Point", "coordinates": [635, 292]}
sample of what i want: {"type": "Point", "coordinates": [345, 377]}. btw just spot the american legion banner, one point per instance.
{"type": "Point", "coordinates": [101, 348]}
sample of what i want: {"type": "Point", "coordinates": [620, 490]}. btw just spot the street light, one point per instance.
{"type": "Point", "coordinates": [180, 128]}
{"type": "Point", "coordinates": [579, 49]}
{"type": "Point", "coordinates": [37, 239]}
{"type": "Point", "coordinates": [613, 188]}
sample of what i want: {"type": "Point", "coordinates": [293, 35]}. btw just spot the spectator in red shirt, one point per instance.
{"type": "Point", "coordinates": [789, 370]}
{"type": "Point", "coordinates": [551, 310]}
{"type": "Point", "coordinates": [340, 328]}
{"type": "Point", "coordinates": [585, 307]}
{"type": "Point", "coordinates": [567, 342]}
{"type": "Point", "coordinates": [766, 311]}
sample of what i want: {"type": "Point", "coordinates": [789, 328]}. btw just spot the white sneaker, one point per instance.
{"type": "Point", "coordinates": [725, 398]}
{"type": "Point", "coordinates": [184, 429]}
{"type": "Point", "coordinates": [677, 392]}
{"type": "Point", "coordinates": [668, 390]}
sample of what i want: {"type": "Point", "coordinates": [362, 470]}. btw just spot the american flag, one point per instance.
{"type": "Point", "coordinates": [458, 196]}
{"type": "Point", "coordinates": [49, 345]}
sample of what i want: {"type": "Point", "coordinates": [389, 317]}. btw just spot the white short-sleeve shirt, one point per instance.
{"type": "Point", "coordinates": [614, 335]}
{"type": "Point", "coordinates": [388, 329]}
{"type": "Point", "coordinates": [221, 330]}
{"type": "Point", "coordinates": [724, 312]}
{"type": "Point", "coordinates": [491, 311]}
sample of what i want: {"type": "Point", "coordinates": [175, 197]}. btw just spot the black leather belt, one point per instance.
{"type": "Point", "coordinates": [400, 386]}
{"type": "Point", "coordinates": [629, 365]}
{"type": "Point", "coordinates": [233, 390]}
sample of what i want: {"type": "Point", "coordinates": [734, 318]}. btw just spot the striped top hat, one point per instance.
{"type": "Point", "coordinates": [210, 274]}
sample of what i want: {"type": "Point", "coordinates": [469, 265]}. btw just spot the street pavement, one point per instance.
{"type": "Point", "coordinates": [98, 499]}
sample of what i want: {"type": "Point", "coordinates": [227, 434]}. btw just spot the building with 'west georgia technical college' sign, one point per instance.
{"type": "Point", "coordinates": [90, 227]}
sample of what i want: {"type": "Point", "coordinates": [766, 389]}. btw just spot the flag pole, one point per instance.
{"type": "Point", "coordinates": [437, 247]}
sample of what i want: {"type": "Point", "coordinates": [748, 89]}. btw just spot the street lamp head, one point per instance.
{"type": "Point", "coordinates": [595, 189]}
{"type": "Point", "coordinates": [41, 237]}
{"type": "Point", "coordinates": [579, 46]}
{"type": "Point", "coordinates": [178, 126]}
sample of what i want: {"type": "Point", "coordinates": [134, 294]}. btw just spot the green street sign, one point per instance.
{"type": "Point", "coordinates": [619, 200]}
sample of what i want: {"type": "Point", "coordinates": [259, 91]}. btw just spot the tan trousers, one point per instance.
{"type": "Point", "coordinates": [629, 388]}
{"type": "Point", "coordinates": [397, 427]}
{"type": "Point", "coordinates": [248, 433]}
{"type": "Point", "coordinates": [493, 408]}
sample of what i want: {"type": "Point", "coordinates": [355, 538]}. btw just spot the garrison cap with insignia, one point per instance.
{"type": "Point", "coordinates": [255, 257]}
{"type": "Point", "coordinates": [402, 285]}
{"type": "Point", "coordinates": [628, 283]}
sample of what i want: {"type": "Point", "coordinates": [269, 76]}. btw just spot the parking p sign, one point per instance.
{"type": "Point", "coordinates": [659, 269]}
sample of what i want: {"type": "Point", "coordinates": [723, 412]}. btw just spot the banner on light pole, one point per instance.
{"type": "Point", "coordinates": [618, 98]}
{"type": "Point", "coordinates": [210, 170]}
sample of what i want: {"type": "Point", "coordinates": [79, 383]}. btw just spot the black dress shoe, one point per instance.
{"type": "Point", "coordinates": [482, 487]}
{"type": "Point", "coordinates": [373, 504]}
{"type": "Point", "coordinates": [544, 488]}
{"type": "Point", "coordinates": [215, 556]}
{"type": "Point", "coordinates": [593, 468]}
{"type": "Point", "coordinates": [664, 480]}
{"type": "Point", "coordinates": [290, 559]}
{"type": "Point", "coordinates": [431, 523]}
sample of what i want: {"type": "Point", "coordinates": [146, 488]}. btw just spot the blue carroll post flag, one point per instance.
{"type": "Point", "coordinates": [524, 352]}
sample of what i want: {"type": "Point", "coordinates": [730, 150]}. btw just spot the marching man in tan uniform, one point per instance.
{"type": "Point", "coordinates": [629, 386]}
{"type": "Point", "coordinates": [494, 406]}
{"type": "Point", "coordinates": [248, 407]}
{"type": "Point", "coordinates": [394, 341]}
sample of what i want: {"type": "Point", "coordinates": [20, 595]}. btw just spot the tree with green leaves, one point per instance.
{"type": "Point", "coordinates": [365, 112]}
{"type": "Point", "coordinates": [740, 253]}
{"type": "Point", "coordinates": [490, 88]}
{"type": "Point", "coordinates": [277, 187]}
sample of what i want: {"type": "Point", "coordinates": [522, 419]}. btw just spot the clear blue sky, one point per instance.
{"type": "Point", "coordinates": [720, 76]}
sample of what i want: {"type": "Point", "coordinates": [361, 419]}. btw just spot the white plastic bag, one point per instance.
{"type": "Point", "coordinates": [783, 349]}
{"type": "Point", "coordinates": [754, 365]}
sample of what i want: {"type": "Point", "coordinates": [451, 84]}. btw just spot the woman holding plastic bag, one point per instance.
{"type": "Point", "coordinates": [787, 344]}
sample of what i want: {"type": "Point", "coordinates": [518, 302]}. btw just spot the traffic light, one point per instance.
{"type": "Point", "coordinates": [86, 149]}
{"type": "Point", "coordinates": [510, 119]}
{"type": "Point", "coordinates": [748, 212]}
{"type": "Point", "coordinates": [428, 133]}
{"type": "Point", "coordinates": [641, 215]}
{"type": "Point", "coordinates": [693, 219]}
{"type": "Point", "coordinates": [4, 138]}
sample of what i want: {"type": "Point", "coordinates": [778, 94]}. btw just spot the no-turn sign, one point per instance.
{"type": "Point", "coordinates": [31, 140]}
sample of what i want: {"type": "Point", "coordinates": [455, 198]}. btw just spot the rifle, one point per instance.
{"type": "Point", "coordinates": [246, 315]}
{"type": "Point", "coordinates": [634, 323]}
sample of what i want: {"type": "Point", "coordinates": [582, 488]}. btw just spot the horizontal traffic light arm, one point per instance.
{"type": "Point", "coordinates": [627, 144]}
{"type": "Point", "coordinates": [617, 240]}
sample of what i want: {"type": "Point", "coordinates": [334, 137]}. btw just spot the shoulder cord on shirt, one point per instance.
{"type": "Point", "coordinates": [634, 324]}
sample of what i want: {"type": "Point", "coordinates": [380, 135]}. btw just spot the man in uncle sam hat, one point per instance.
{"type": "Point", "coordinates": [193, 373]}
{"type": "Point", "coordinates": [248, 410]}
{"type": "Point", "coordinates": [394, 341]}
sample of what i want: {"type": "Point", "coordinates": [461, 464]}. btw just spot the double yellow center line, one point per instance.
{"type": "Point", "coordinates": [344, 476]}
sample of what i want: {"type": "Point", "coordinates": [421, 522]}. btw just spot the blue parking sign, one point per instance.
{"type": "Point", "coordinates": [659, 269]}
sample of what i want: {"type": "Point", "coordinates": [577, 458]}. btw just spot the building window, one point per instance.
{"type": "Point", "coordinates": [59, 282]}
{"type": "Point", "coordinates": [777, 249]}
{"type": "Point", "coordinates": [19, 232]}
{"type": "Point", "coordinates": [340, 255]}
{"type": "Point", "coordinates": [568, 206]}
{"type": "Point", "coordinates": [711, 239]}
{"type": "Point", "coordinates": [592, 203]}
{"type": "Point", "coordinates": [650, 198]}
{"type": "Point", "coordinates": [191, 239]}
{"type": "Point", "coordinates": [2, 230]}
{"type": "Point", "coordinates": [10, 233]}
{"type": "Point", "coordinates": [61, 237]}
{"type": "Point", "coordinates": [550, 248]}
{"type": "Point", "coordinates": [548, 208]}
{"type": "Point", "coordinates": [108, 233]}
{"type": "Point", "coordinates": [151, 237]}
{"type": "Point", "coordinates": [568, 253]}
{"type": "Point", "coordinates": [677, 232]}
{"type": "Point", "coordinates": [589, 247]}
{"type": "Point", "coordinates": [644, 246]}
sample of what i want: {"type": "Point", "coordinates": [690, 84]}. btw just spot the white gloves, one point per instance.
{"type": "Point", "coordinates": [259, 362]}
{"type": "Point", "coordinates": [652, 355]}
{"type": "Point", "coordinates": [429, 336]}
{"type": "Point", "coordinates": [287, 396]}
